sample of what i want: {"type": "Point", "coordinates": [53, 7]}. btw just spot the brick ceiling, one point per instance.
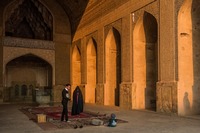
{"type": "Point", "coordinates": [74, 9]}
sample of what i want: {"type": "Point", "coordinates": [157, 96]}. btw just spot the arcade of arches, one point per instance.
{"type": "Point", "coordinates": [132, 54]}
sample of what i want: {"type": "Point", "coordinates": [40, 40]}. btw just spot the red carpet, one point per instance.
{"type": "Point", "coordinates": [53, 115]}
{"type": "Point", "coordinates": [55, 112]}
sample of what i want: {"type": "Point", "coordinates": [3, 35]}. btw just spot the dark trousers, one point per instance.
{"type": "Point", "coordinates": [64, 112]}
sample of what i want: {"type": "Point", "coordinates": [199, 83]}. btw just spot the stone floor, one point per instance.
{"type": "Point", "coordinates": [139, 121]}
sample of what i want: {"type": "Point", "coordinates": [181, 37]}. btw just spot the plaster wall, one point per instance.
{"type": "Point", "coordinates": [188, 63]}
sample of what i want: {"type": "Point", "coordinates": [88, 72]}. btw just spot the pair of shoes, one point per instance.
{"type": "Point", "coordinates": [75, 127]}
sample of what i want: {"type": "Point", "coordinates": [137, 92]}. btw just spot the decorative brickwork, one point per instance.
{"type": "Point", "coordinates": [29, 19]}
{"type": "Point", "coordinates": [27, 43]}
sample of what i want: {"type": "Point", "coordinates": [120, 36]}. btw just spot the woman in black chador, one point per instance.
{"type": "Point", "coordinates": [77, 105]}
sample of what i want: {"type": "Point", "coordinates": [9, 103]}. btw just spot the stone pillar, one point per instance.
{"type": "Point", "coordinates": [127, 95]}
{"type": "Point", "coordinates": [167, 87]}
{"type": "Point", "coordinates": [126, 50]}
{"type": "Point", "coordinates": [100, 94]}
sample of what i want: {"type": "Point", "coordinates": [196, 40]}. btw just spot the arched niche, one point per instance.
{"type": "Point", "coordinates": [25, 71]}
{"type": "Point", "coordinates": [112, 67]}
{"type": "Point", "coordinates": [76, 68]}
{"type": "Point", "coordinates": [91, 71]}
{"type": "Point", "coordinates": [145, 61]}
{"type": "Point", "coordinates": [188, 58]}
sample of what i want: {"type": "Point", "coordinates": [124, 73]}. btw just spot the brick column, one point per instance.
{"type": "Point", "coordinates": [167, 87]}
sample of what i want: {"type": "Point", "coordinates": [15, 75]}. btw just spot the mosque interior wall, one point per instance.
{"type": "Point", "coordinates": [131, 54]}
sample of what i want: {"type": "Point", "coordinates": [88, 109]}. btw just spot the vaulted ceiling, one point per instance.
{"type": "Point", "coordinates": [85, 11]}
{"type": "Point", "coordinates": [74, 9]}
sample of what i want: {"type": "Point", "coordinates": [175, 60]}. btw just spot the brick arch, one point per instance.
{"type": "Point", "coordinates": [30, 54]}
{"type": "Point", "coordinates": [45, 55]}
{"type": "Point", "coordinates": [188, 58]}
{"type": "Point", "coordinates": [25, 70]}
{"type": "Point", "coordinates": [145, 49]}
{"type": "Point", "coordinates": [112, 67]}
{"type": "Point", "coordinates": [91, 71]}
{"type": "Point", "coordinates": [11, 53]}
{"type": "Point", "coordinates": [185, 61]}
{"type": "Point", "coordinates": [76, 68]}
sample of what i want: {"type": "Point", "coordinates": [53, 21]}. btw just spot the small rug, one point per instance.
{"type": "Point", "coordinates": [53, 115]}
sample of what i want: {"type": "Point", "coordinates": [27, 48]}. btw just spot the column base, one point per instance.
{"type": "Point", "coordinates": [167, 97]}
{"type": "Point", "coordinates": [99, 98]}
{"type": "Point", "coordinates": [127, 95]}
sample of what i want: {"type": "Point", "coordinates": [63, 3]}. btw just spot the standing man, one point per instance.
{"type": "Point", "coordinates": [65, 99]}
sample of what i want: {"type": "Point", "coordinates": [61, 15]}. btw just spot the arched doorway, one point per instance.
{"type": "Point", "coordinates": [112, 67]}
{"type": "Point", "coordinates": [91, 72]}
{"type": "Point", "coordinates": [27, 75]}
{"type": "Point", "coordinates": [145, 61]}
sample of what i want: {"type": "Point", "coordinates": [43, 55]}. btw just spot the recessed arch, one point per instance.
{"type": "Point", "coordinates": [76, 68]}
{"type": "Point", "coordinates": [185, 51]}
{"type": "Point", "coordinates": [24, 71]}
{"type": "Point", "coordinates": [145, 61]}
{"type": "Point", "coordinates": [26, 54]}
{"type": "Point", "coordinates": [91, 71]}
{"type": "Point", "coordinates": [112, 67]}
{"type": "Point", "coordinates": [188, 58]}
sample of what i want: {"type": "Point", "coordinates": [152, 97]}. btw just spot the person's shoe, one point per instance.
{"type": "Point", "coordinates": [75, 126]}
{"type": "Point", "coordinates": [68, 121]}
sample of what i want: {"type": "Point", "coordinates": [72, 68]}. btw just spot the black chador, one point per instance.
{"type": "Point", "coordinates": [77, 105]}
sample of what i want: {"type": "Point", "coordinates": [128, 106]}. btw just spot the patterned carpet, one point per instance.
{"type": "Point", "coordinates": [53, 115]}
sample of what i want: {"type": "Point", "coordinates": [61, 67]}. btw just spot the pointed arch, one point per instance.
{"type": "Point", "coordinates": [112, 67]}
{"type": "Point", "coordinates": [185, 51]}
{"type": "Point", "coordinates": [145, 61]}
{"type": "Point", "coordinates": [188, 58]}
{"type": "Point", "coordinates": [24, 71]}
{"type": "Point", "coordinates": [76, 68]}
{"type": "Point", "coordinates": [91, 71]}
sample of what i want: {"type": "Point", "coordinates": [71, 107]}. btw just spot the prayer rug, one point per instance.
{"type": "Point", "coordinates": [53, 115]}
